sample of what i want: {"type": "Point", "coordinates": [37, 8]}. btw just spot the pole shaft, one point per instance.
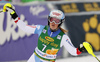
{"type": "Point", "coordinates": [1, 11]}
{"type": "Point", "coordinates": [97, 59]}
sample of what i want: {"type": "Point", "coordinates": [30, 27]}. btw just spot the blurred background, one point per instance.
{"type": "Point", "coordinates": [82, 22]}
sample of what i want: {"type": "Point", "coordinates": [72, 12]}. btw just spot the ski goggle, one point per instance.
{"type": "Point", "coordinates": [55, 20]}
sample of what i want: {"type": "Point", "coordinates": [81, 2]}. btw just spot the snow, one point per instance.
{"type": "Point", "coordinates": [88, 58]}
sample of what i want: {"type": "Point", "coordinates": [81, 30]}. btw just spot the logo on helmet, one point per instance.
{"type": "Point", "coordinates": [57, 14]}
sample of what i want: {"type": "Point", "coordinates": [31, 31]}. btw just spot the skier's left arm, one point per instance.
{"type": "Point", "coordinates": [66, 42]}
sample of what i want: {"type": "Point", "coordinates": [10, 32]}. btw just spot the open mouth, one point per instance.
{"type": "Point", "coordinates": [53, 25]}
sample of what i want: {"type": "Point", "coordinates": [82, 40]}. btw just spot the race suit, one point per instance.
{"type": "Point", "coordinates": [49, 42]}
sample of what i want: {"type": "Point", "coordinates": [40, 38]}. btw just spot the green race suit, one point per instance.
{"type": "Point", "coordinates": [48, 46]}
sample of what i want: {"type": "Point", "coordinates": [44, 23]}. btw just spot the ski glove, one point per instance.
{"type": "Point", "coordinates": [81, 48]}
{"type": "Point", "coordinates": [10, 8]}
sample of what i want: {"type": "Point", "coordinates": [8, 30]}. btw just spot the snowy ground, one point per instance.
{"type": "Point", "coordinates": [88, 58]}
{"type": "Point", "coordinates": [74, 59]}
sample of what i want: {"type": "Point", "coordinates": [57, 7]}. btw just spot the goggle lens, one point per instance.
{"type": "Point", "coordinates": [57, 21]}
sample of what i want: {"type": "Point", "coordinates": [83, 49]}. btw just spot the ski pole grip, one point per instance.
{"type": "Point", "coordinates": [89, 49]}
{"type": "Point", "coordinates": [6, 5]}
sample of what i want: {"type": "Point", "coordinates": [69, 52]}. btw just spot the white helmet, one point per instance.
{"type": "Point", "coordinates": [57, 14]}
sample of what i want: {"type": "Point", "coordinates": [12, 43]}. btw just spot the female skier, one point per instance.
{"type": "Point", "coordinates": [50, 37]}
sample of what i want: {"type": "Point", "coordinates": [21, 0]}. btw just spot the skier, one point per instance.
{"type": "Point", "coordinates": [50, 37]}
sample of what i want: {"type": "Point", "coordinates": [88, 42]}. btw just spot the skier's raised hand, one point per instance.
{"type": "Point", "coordinates": [11, 9]}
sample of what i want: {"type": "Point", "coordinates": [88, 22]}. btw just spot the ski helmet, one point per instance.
{"type": "Point", "coordinates": [57, 14]}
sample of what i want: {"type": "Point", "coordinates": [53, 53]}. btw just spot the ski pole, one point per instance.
{"type": "Point", "coordinates": [97, 59]}
{"type": "Point", "coordinates": [4, 7]}
{"type": "Point", "coordinates": [1, 11]}
{"type": "Point", "coordinates": [89, 49]}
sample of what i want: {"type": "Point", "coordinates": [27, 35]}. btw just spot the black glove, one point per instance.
{"type": "Point", "coordinates": [81, 48]}
{"type": "Point", "coordinates": [10, 8]}
{"type": "Point", "coordinates": [12, 12]}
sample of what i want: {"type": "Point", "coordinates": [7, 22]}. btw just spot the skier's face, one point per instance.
{"type": "Point", "coordinates": [53, 26]}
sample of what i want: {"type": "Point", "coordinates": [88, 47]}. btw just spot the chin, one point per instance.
{"type": "Point", "coordinates": [53, 29]}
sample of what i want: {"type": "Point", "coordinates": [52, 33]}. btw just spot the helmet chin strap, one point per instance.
{"type": "Point", "coordinates": [53, 30]}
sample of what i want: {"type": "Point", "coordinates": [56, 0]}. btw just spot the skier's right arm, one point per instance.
{"type": "Point", "coordinates": [27, 28]}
